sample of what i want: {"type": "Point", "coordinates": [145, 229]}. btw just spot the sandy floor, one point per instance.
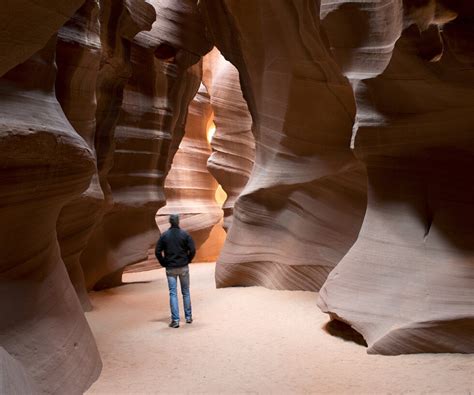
{"type": "Point", "coordinates": [247, 340]}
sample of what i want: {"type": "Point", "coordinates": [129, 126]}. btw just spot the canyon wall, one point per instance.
{"type": "Point", "coordinates": [302, 207]}
{"type": "Point", "coordinates": [233, 144]}
{"type": "Point", "coordinates": [44, 164]}
{"type": "Point", "coordinates": [78, 54]}
{"type": "Point", "coordinates": [94, 101]}
{"type": "Point", "coordinates": [190, 189]}
{"type": "Point", "coordinates": [66, 81]}
{"type": "Point", "coordinates": [163, 76]}
{"type": "Point", "coordinates": [411, 266]}
{"type": "Point", "coordinates": [27, 26]}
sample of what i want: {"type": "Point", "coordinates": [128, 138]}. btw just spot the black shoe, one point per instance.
{"type": "Point", "coordinates": [174, 324]}
{"type": "Point", "coordinates": [189, 320]}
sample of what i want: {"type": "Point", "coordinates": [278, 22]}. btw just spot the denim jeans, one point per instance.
{"type": "Point", "coordinates": [172, 274]}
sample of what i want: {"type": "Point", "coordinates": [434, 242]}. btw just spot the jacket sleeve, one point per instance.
{"type": "Point", "coordinates": [191, 248]}
{"type": "Point", "coordinates": [160, 246]}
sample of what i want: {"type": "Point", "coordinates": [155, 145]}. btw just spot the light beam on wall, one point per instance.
{"type": "Point", "coordinates": [220, 196]}
{"type": "Point", "coordinates": [211, 129]}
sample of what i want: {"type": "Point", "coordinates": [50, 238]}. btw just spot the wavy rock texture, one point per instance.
{"type": "Point", "coordinates": [233, 144]}
{"type": "Point", "coordinates": [155, 76]}
{"type": "Point", "coordinates": [120, 22]}
{"type": "Point", "coordinates": [78, 55]}
{"type": "Point", "coordinates": [44, 164]}
{"type": "Point", "coordinates": [406, 284]}
{"type": "Point", "coordinates": [23, 30]}
{"type": "Point", "coordinates": [190, 189]}
{"type": "Point", "coordinates": [303, 205]}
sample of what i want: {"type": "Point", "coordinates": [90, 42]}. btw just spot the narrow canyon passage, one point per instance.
{"type": "Point", "coordinates": [246, 340]}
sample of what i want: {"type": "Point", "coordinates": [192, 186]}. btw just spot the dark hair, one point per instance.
{"type": "Point", "coordinates": [174, 219]}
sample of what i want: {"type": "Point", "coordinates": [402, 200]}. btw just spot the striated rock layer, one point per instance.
{"type": "Point", "coordinates": [78, 55]}
{"type": "Point", "coordinates": [233, 144]}
{"type": "Point", "coordinates": [127, 136]}
{"type": "Point", "coordinates": [146, 85]}
{"type": "Point", "coordinates": [302, 207]}
{"type": "Point", "coordinates": [407, 283]}
{"type": "Point", "coordinates": [120, 23]}
{"type": "Point", "coordinates": [43, 164]}
{"type": "Point", "coordinates": [190, 189]}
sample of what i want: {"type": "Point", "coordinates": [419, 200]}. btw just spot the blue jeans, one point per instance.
{"type": "Point", "coordinates": [172, 275]}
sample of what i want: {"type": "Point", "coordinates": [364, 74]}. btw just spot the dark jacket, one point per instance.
{"type": "Point", "coordinates": [178, 247]}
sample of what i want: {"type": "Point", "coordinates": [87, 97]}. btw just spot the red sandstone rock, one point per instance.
{"type": "Point", "coordinates": [303, 205]}
{"type": "Point", "coordinates": [190, 189]}
{"type": "Point", "coordinates": [135, 157]}
{"type": "Point", "coordinates": [44, 163]}
{"type": "Point", "coordinates": [233, 144]}
{"type": "Point", "coordinates": [78, 55]}
{"type": "Point", "coordinates": [27, 25]}
{"type": "Point", "coordinates": [120, 22]}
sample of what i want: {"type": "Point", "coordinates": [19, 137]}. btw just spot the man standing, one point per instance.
{"type": "Point", "coordinates": [178, 248]}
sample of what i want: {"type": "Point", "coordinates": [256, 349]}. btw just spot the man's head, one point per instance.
{"type": "Point", "coordinates": [174, 220]}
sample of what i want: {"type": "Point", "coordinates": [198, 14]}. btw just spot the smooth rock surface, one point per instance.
{"type": "Point", "coordinates": [14, 379]}
{"type": "Point", "coordinates": [23, 30]}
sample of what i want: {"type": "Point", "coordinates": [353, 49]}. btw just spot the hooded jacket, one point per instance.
{"type": "Point", "coordinates": [177, 246]}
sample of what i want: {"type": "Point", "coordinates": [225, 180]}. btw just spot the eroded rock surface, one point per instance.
{"type": "Point", "coordinates": [302, 207]}
{"type": "Point", "coordinates": [78, 55]}
{"type": "Point", "coordinates": [190, 189]}
{"type": "Point", "coordinates": [27, 25]}
{"type": "Point", "coordinates": [149, 81]}
{"type": "Point", "coordinates": [233, 144]}
{"type": "Point", "coordinates": [44, 164]}
{"type": "Point", "coordinates": [406, 284]}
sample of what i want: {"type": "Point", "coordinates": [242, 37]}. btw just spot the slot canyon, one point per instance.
{"type": "Point", "coordinates": [316, 151]}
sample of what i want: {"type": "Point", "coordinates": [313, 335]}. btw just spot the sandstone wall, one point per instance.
{"type": "Point", "coordinates": [161, 81]}
{"type": "Point", "coordinates": [233, 144]}
{"type": "Point", "coordinates": [65, 171]}
{"type": "Point", "coordinates": [78, 54]}
{"type": "Point", "coordinates": [44, 164]}
{"type": "Point", "coordinates": [302, 207]}
{"type": "Point", "coordinates": [190, 189]}
{"type": "Point", "coordinates": [411, 266]}
{"type": "Point", "coordinates": [24, 28]}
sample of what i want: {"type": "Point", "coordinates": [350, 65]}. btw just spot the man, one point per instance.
{"type": "Point", "coordinates": [178, 248]}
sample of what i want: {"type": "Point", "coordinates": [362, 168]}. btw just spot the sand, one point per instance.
{"type": "Point", "coordinates": [247, 340]}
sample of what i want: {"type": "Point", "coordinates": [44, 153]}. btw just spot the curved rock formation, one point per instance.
{"type": "Point", "coordinates": [406, 284]}
{"type": "Point", "coordinates": [44, 164]}
{"type": "Point", "coordinates": [27, 26]}
{"type": "Point", "coordinates": [120, 22]}
{"type": "Point", "coordinates": [190, 189]}
{"type": "Point", "coordinates": [303, 205]}
{"type": "Point", "coordinates": [78, 55]}
{"type": "Point", "coordinates": [233, 144]}
{"type": "Point", "coordinates": [133, 162]}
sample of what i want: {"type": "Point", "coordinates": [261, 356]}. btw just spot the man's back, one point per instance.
{"type": "Point", "coordinates": [178, 248]}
